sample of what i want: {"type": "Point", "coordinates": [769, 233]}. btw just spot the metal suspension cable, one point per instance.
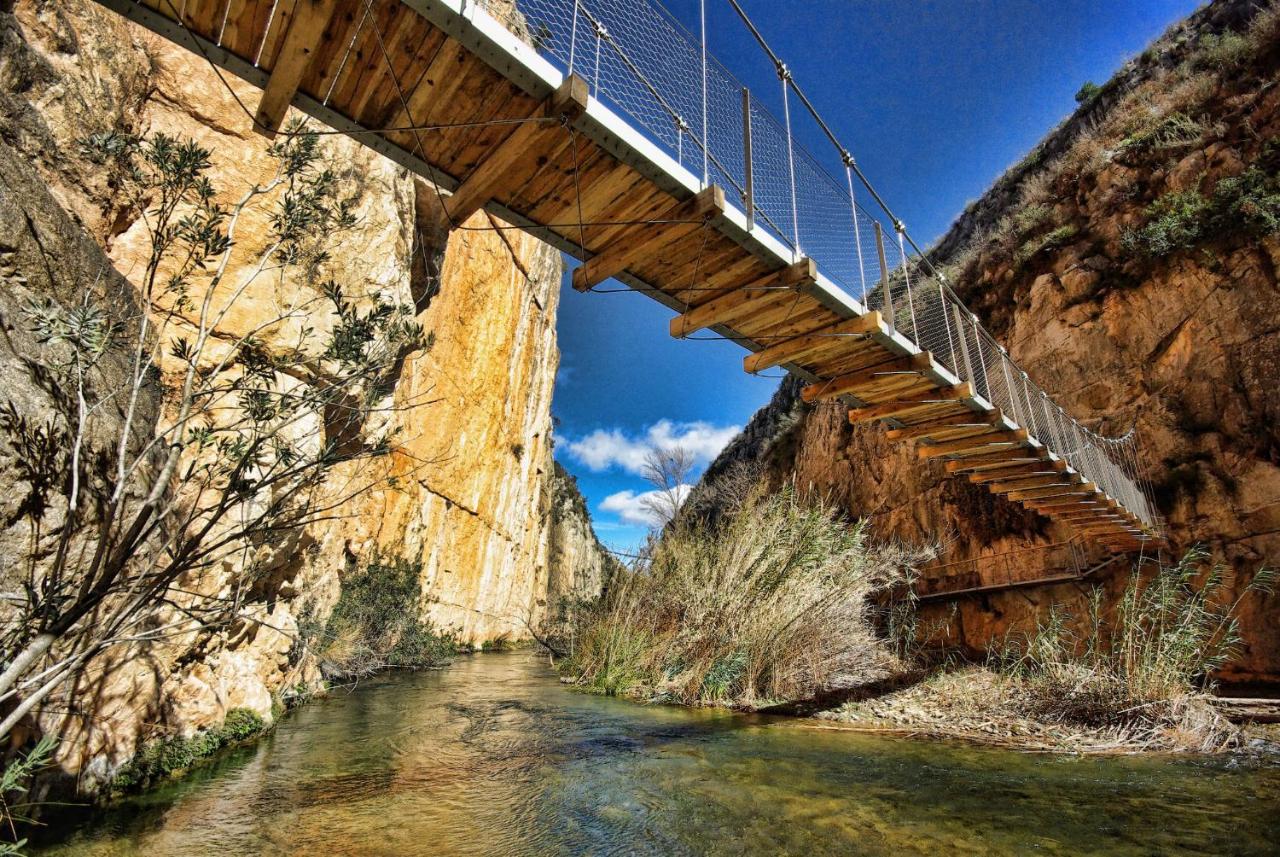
{"type": "Point", "coordinates": [826, 129]}
{"type": "Point", "coordinates": [653, 90]}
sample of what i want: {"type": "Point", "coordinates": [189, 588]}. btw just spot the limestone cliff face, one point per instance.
{"type": "Point", "coordinates": [499, 532]}
{"type": "Point", "coordinates": [1183, 342]}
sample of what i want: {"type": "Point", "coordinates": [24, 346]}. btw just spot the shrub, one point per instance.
{"type": "Point", "coordinates": [1245, 204]}
{"type": "Point", "coordinates": [1174, 131]}
{"type": "Point", "coordinates": [1222, 51]}
{"type": "Point", "coordinates": [1175, 221]}
{"type": "Point", "coordinates": [14, 781]}
{"type": "Point", "coordinates": [376, 623]}
{"type": "Point", "coordinates": [1087, 92]}
{"type": "Point", "coordinates": [166, 757]}
{"type": "Point", "coordinates": [767, 602]}
{"type": "Point", "coordinates": [1054, 238]}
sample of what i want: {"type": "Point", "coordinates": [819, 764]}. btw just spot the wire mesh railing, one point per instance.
{"type": "Point", "coordinates": [639, 59]}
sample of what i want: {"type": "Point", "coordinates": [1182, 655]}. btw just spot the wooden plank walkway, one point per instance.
{"type": "Point", "coordinates": [443, 89]}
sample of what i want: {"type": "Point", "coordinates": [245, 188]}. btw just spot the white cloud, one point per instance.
{"type": "Point", "coordinates": [603, 449]}
{"type": "Point", "coordinates": [635, 508]}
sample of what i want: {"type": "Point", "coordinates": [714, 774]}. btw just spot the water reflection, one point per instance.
{"type": "Point", "coordinates": [493, 756]}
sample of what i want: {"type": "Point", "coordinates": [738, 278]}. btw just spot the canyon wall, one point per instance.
{"type": "Point", "coordinates": [1129, 264]}
{"type": "Point", "coordinates": [475, 497]}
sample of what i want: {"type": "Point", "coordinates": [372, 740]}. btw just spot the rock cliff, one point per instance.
{"type": "Point", "coordinates": [1129, 263]}
{"type": "Point", "coordinates": [499, 531]}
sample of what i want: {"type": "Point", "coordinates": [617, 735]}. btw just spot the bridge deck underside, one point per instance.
{"type": "Point", "coordinates": [571, 185]}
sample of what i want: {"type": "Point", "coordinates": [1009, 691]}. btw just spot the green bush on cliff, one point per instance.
{"type": "Point", "coordinates": [1247, 204]}
{"type": "Point", "coordinates": [377, 623]}
{"type": "Point", "coordinates": [161, 759]}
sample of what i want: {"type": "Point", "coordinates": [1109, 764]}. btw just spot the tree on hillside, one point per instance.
{"type": "Point", "coordinates": [191, 448]}
{"type": "Point", "coordinates": [668, 470]}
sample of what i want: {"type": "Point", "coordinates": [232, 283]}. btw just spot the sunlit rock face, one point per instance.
{"type": "Point", "coordinates": [1183, 345]}
{"type": "Point", "coordinates": [478, 503]}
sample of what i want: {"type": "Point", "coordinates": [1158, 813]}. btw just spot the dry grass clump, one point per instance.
{"type": "Point", "coordinates": [1141, 670]}
{"type": "Point", "coordinates": [1131, 680]}
{"type": "Point", "coordinates": [766, 602]}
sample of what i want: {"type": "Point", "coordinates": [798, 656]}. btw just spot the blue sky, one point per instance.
{"type": "Point", "coordinates": [935, 98]}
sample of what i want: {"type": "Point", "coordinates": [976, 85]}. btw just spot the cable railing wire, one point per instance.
{"type": "Point", "coordinates": [637, 57]}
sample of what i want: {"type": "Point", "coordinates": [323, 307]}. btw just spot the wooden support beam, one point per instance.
{"type": "Point", "coordinates": [760, 291]}
{"type": "Point", "coordinates": [1014, 470]}
{"type": "Point", "coordinates": [1056, 505]}
{"type": "Point", "coordinates": [855, 381]}
{"type": "Point", "coordinates": [940, 396]}
{"type": "Point", "coordinates": [974, 444]}
{"type": "Point", "coordinates": [1108, 530]}
{"type": "Point", "coordinates": [1096, 514]}
{"type": "Point", "coordinates": [523, 152]}
{"type": "Point", "coordinates": [995, 460]}
{"type": "Point", "coordinates": [301, 43]}
{"type": "Point", "coordinates": [1023, 483]}
{"type": "Point", "coordinates": [645, 240]}
{"type": "Point", "coordinates": [943, 431]}
{"type": "Point", "coordinates": [1083, 490]}
{"type": "Point", "coordinates": [794, 349]}
{"type": "Point", "coordinates": [1051, 508]}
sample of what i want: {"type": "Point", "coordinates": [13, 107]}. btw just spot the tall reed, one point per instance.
{"type": "Point", "coordinates": [1144, 662]}
{"type": "Point", "coordinates": [767, 601]}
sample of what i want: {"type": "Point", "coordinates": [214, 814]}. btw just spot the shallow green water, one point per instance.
{"type": "Point", "coordinates": [493, 756]}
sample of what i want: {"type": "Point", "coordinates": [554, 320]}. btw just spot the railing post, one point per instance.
{"type": "Point", "coordinates": [706, 133]}
{"type": "Point", "coordinates": [747, 199]}
{"type": "Point", "coordinates": [889, 314]}
{"type": "Point", "coordinates": [784, 75]}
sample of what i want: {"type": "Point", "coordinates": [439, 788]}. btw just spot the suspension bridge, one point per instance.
{"type": "Point", "coordinates": [608, 129]}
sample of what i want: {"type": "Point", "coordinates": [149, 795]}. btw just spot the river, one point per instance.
{"type": "Point", "coordinates": [494, 756]}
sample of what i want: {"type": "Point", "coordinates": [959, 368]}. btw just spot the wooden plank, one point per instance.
{"type": "Point", "coordinates": [1022, 483]}
{"type": "Point", "coordinates": [912, 365]}
{"type": "Point", "coordinates": [687, 216]}
{"type": "Point", "coordinates": [944, 396]}
{"type": "Point", "coordinates": [841, 356]}
{"type": "Point", "coordinates": [996, 459]}
{"type": "Point", "coordinates": [1050, 508]}
{"type": "Point", "coordinates": [1088, 515]}
{"type": "Point", "coordinates": [521, 152]}
{"type": "Point", "coordinates": [795, 349]}
{"type": "Point", "coordinates": [939, 432]}
{"type": "Point", "coordinates": [975, 443]}
{"type": "Point", "coordinates": [384, 102]}
{"type": "Point", "coordinates": [950, 413]}
{"type": "Point", "coordinates": [1013, 470]}
{"type": "Point", "coordinates": [775, 321]}
{"type": "Point", "coordinates": [1054, 505]}
{"type": "Point", "coordinates": [246, 27]}
{"type": "Point", "coordinates": [1082, 490]}
{"type": "Point", "coordinates": [727, 307]}
{"type": "Point", "coordinates": [310, 17]}
{"type": "Point", "coordinates": [806, 316]}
